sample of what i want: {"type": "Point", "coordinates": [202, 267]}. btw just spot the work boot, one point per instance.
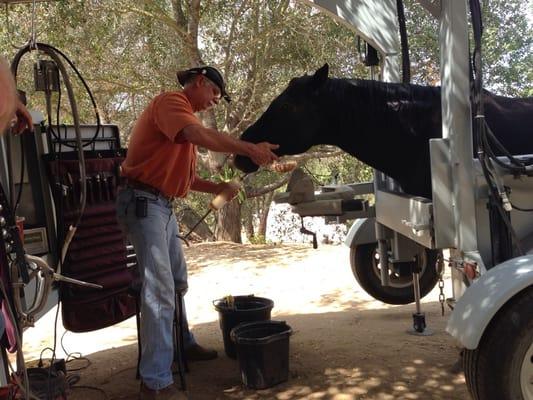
{"type": "Point", "coordinates": [199, 353]}
{"type": "Point", "coordinates": [171, 392]}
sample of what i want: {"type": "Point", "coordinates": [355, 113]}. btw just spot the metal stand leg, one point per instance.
{"type": "Point", "coordinates": [179, 340]}
{"type": "Point", "coordinates": [139, 344]}
{"type": "Point", "coordinates": [419, 318]}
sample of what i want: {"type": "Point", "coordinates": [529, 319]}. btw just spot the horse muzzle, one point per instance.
{"type": "Point", "coordinates": [245, 164]}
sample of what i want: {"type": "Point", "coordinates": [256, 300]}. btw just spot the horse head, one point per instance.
{"type": "Point", "coordinates": [293, 120]}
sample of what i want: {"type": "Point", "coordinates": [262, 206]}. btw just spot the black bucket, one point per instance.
{"type": "Point", "coordinates": [263, 352]}
{"type": "Point", "coordinates": [245, 309]}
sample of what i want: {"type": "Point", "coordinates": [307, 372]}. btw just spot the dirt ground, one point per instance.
{"type": "Point", "coordinates": [345, 346]}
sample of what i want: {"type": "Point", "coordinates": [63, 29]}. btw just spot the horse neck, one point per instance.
{"type": "Point", "coordinates": [364, 128]}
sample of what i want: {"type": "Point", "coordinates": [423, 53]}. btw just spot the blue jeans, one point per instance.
{"type": "Point", "coordinates": [161, 266]}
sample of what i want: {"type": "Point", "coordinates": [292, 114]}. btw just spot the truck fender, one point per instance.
{"type": "Point", "coordinates": [488, 294]}
{"type": "Point", "coordinates": [362, 231]}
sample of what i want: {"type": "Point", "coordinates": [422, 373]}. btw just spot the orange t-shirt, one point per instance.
{"type": "Point", "coordinates": [155, 155]}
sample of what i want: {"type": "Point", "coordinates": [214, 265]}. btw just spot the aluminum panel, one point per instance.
{"type": "Point", "coordinates": [410, 216]}
{"type": "Point", "coordinates": [441, 183]}
{"type": "Point", "coordinates": [375, 21]}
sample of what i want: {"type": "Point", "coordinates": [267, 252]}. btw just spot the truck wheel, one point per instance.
{"type": "Point", "coordinates": [501, 368]}
{"type": "Point", "coordinates": [364, 260]}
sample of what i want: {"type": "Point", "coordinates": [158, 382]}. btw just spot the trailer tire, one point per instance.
{"type": "Point", "coordinates": [363, 262]}
{"type": "Point", "coordinates": [501, 368]}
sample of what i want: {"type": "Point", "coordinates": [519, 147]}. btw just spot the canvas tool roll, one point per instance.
{"type": "Point", "coordinates": [97, 253]}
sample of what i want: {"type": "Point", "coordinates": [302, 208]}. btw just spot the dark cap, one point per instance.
{"type": "Point", "coordinates": [210, 73]}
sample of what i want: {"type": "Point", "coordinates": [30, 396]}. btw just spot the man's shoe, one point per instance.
{"type": "Point", "coordinates": [199, 353]}
{"type": "Point", "coordinates": [171, 392]}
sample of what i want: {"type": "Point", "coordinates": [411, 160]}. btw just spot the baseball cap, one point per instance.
{"type": "Point", "coordinates": [210, 73]}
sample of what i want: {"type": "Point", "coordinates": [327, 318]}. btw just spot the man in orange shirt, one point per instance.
{"type": "Point", "coordinates": [11, 108]}
{"type": "Point", "coordinates": [161, 165]}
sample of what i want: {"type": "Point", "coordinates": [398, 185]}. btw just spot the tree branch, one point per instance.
{"type": "Point", "coordinates": [325, 152]}
{"type": "Point", "coordinates": [256, 192]}
{"type": "Point", "coordinates": [178, 14]}
{"type": "Point", "coordinates": [165, 19]}
{"type": "Point", "coordinates": [194, 21]}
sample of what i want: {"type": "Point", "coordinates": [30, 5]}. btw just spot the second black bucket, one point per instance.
{"type": "Point", "coordinates": [263, 351]}
{"type": "Point", "coordinates": [240, 309]}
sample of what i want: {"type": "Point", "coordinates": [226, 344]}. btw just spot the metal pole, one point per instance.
{"type": "Point", "coordinates": [416, 288]}
{"type": "Point", "coordinates": [456, 118]}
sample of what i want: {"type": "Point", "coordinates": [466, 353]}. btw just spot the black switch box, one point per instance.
{"type": "Point", "coordinates": [46, 76]}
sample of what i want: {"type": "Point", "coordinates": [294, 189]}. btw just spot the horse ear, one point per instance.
{"type": "Point", "coordinates": [320, 76]}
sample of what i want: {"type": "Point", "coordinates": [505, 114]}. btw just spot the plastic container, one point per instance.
{"type": "Point", "coordinates": [263, 352]}
{"type": "Point", "coordinates": [244, 309]}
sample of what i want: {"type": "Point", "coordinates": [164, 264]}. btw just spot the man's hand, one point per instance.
{"type": "Point", "coordinates": [23, 119]}
{"type": "Point", "coordinates": [228, 190]}
{"type": "Point", "coordinates": [261, 153]}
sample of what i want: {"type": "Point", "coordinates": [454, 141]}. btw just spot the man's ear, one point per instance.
{"type": "Point", "coordinates": [199, 80]}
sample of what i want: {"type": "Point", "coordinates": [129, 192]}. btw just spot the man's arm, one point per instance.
{"type": "Point", "coordinates": [11, 107]}
{"type": "Point", "coordinates": [201, 185]}
{"type": "Point", "coordinates": [229, 190]}
{"type": "Point", "coordinates": [260, 153]}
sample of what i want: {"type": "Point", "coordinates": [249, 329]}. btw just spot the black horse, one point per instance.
{"type": "Point", "coordinates": [385, 125]}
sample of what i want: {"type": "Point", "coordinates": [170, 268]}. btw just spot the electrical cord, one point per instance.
{"type": "Point", "coordinates": [89, 92]}
{"type": "Point", "coordinates": [485, 152]}
{"type": "Point", "coordinates": [521, 208]}
{"type": "Point", "coordinates": [53, 358]}
{"type": "Point", "coordinates": [73, 379]}
{"type": "Point", "coordinates": [21, 182]}
{"type": "Point", "coordinates": [48, 49]}
{"type": "Point", "coordinates": [51, 52]}
{"type": "Point", "coordinates": [25, 385]}
{"type": "Point", "coordinates": [75, 356]}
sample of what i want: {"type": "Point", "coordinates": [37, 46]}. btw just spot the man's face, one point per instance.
{"type": "Point", "coordinates": [208, 94]}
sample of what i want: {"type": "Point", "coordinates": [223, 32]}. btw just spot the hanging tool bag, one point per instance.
{"type": "Point", "coordinates": [98, 252]}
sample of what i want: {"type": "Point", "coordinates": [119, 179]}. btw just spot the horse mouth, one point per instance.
{"type": "Point", "coordinates": [245, 164]}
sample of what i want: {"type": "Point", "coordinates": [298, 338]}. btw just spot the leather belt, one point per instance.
{"type": "Point", "coordinates": [132, 183]}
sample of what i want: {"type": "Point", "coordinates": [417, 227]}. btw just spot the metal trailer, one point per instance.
{"type": "Point", "coordinates": [492, 314]}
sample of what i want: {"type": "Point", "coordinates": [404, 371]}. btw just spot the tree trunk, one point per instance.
{"type": "Point", "coordinates": [229, 223]}
{"type": "Point", "coordinates": [249, 226]}
{"type": "Point", "coordinates": [261, 230]}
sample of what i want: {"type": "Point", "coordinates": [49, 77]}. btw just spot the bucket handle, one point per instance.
{"type": "Point", "coordinates": [288, 332]}
{"type": "Point", "coordinates": [222, 300]}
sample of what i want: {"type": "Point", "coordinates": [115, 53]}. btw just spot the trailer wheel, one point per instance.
{"type": "Point", "coordinates": [364, 260]}
{"type": "Point", "coordinates": [501, 368]}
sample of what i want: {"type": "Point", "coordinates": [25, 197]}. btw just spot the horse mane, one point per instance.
{"type": "Point", "coordinates": [414, 108]}
{"type": "Point", "coordinates": [384, 91]}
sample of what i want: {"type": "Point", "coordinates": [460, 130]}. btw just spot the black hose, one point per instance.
{"type": "Point", "coordinates": [406, 64]}
{"type": "Point", "coordinates": [21, 184]}
{"type": "Point", "coordinates": [52, 53]}
{"type": "Point", "coordinates": [485, 152]}
{"type": "Point", "coordinates": [80, 77]}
